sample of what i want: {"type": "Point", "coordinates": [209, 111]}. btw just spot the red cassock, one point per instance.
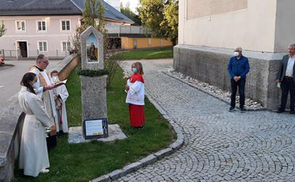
{"type": "Point", "coordinates": [136, 112]}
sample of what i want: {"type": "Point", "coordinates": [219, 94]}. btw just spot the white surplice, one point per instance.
{"type": "Point", "coordinates": [47, 97]}
{"type": "Point", "coordinates": [33, 150]}
{"type": "Point", "coordinates": [63, 93]}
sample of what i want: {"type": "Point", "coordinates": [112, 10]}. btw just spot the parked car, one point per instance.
{"type": "Point", "coordinates": [1, 61]}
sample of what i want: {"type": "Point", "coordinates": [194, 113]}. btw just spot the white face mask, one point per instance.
{"type": "Point", "coordinates": [236, 54]}
{"type": "Point", "coordinates": [35, 85]}
{"type": "Point", "coordinates": [55, 79]}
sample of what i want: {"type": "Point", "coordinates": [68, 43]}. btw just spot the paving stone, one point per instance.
{"type": "Point", "coordinates": [132, 167]}
{"type": "Point", "coordinates": [116, 174]}
{"type": "Point", "coordinates": [148, 160]}
{"type": "Point", "coordinates": [163, 153]}
{"type": "Point", "coordinates": [104, 178]}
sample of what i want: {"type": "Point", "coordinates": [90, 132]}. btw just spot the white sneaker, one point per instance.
{"type": "Point", "coordinates": [44, 171]}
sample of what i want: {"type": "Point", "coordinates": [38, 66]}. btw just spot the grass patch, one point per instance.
{"type": "Point", "coordinates": [158, 53]}
{"type": "Point", "coordinates": [83, 162]}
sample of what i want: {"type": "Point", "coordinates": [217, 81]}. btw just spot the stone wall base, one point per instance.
{"type": "Point", "coordinates": [210, 65]}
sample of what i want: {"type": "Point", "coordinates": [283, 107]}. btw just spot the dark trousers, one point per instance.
{"type": "Point", "coordinates": [234, 88]}
{"type": "Point", "coordinates": [287, 86]}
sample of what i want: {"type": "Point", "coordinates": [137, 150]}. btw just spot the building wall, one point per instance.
{"type": "Point", "coordinates": [201, 8]}
{"type": "Point", "coordinates": [128, 43]}
{"type": "Point", "coordinates": [247, 23]}
{"type": "Point", "coordinates": [54, 36]}
{"type": "Point", "coordinates": [284, 34]}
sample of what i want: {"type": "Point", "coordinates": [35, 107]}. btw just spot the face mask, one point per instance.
{"type": "Point", "coordinates": [55, 79]}
{"type": "Point", "coordinates": [236, 54]}
{"type": "Point", "coordinates": [35, 85]}
{"type": "Point", "coordinates": [134, 70]}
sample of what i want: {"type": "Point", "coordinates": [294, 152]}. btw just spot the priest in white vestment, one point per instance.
{"type": "Point", "coordinates": [44, 91]}
{"type": "Point", "coordinates": [33, 149]}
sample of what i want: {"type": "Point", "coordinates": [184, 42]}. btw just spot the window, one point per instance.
{"type": "Point", "coordinates": [42, 46]}
{"type": "Point", "coordinates": [20, 25]}
{"type": "Point", "coordinates": [66, 46]}
{"type": "Point", "coordinates": [41, 26]}
{"type": "Point", "coordinates": [65, 25]}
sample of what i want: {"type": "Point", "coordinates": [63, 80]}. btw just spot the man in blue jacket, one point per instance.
{"type": "Point", "coordinates": [238, 67]}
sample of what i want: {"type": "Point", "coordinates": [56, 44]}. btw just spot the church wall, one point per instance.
{"type": "Point", "coordinates": [285, 27]}
{"type": "Point", "coordinates": [247, 23]}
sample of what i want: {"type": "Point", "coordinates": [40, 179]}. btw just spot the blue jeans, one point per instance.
{"type": "Point", "coordinates": [234, 88]}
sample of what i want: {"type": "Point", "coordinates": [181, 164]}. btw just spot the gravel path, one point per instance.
{"type": "Point", "coordinates": [219, 145]}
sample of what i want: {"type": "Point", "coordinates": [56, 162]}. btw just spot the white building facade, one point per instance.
{"type": "Point", "coordinates": [28, 36]}
{"type": "Point", "coordinates": [45, 27]}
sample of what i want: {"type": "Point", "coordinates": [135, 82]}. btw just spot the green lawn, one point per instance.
{"type": "Point", "coordinates": [158, 53]}
{"type": "Point", "coordinates": [83, 162]}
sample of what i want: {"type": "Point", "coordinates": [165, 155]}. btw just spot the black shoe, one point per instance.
{"type": "Point", "coordinates": [243, 110]}
{"type": "Point", "coordinates": [61, 134]}
{"type": "Point", "coordinates": [139, 127]}
{"type": "Point", "coordinates": [231, 109]}
{"type": "Point", "coordinates": [280, 110]}
{"type": "Point", "coordinates": [292, 112]}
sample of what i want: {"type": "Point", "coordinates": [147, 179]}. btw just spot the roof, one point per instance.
{"type": "Point", "coordinates": [37, 7]}
{"type": "Point", "coordinates": [54, 7]}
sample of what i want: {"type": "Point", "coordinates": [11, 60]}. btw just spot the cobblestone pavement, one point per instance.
{"type": "Point", "coordinates": [219, 145]}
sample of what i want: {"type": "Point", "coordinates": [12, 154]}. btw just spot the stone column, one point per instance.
{"type": "Point", "coordinates": [93, 88]}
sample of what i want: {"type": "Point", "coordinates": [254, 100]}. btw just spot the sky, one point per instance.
{"type": "Point", "coordinates": [133, 4]}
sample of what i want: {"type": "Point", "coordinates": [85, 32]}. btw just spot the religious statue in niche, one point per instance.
{"type": "Point", "coordinates": [92, 49]}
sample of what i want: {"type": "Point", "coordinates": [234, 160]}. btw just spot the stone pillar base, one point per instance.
{"type": "Point", "coordinates": [94, 97]}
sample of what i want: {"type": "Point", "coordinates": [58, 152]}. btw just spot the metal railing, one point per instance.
{"type": "Point", "coordinates": [17, 54]}
{"type": "Point", "coordinates": [124, 29]}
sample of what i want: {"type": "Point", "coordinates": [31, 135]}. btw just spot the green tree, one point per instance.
{"type": "Point", "coordinates": [2, 30]}
{"type": "Point", "coordinates": [129, 13]}
{"type": "Point", "coordinates": [160, 18]}
{"type": "Point", "coordinates": [93, 15]}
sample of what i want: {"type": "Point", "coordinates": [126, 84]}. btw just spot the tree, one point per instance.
{"type": "Point", "coordinates": [160, 18]}
{"type": "Point", "coordinates": [129, 13]}
{"type": "Point", "coordinates": [93, 15]}
{"type": "Point", "coordinates": [2, 30]}
{"type": "Point", "coordinates": [171, 17]}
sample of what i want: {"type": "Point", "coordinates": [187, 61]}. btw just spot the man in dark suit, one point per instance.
{"type": "Point", "coordinates": [286, 79]}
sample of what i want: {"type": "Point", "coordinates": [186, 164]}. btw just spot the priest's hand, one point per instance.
{"type": "Point", "coordinates": [126, 87]}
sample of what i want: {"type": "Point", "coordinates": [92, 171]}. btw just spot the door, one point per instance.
{"type": "Point", "coordinates": [134, 44]}
{"type": "Point", "coordinates": [23, 49]}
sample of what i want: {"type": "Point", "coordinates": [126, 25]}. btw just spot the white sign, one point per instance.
{"type": "Point", "coordinates": [94, 127]}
